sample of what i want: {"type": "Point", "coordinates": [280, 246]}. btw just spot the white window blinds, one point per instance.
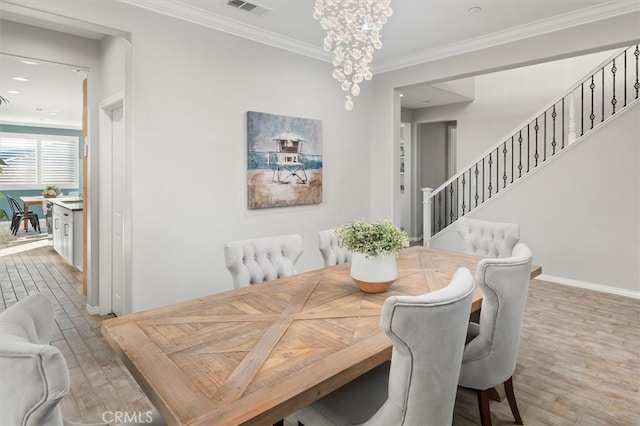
{"type": "Point", "coordinates": [34, 161]}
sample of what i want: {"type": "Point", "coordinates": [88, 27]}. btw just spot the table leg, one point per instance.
{"type": "Point", "coordinates": [25, 209]}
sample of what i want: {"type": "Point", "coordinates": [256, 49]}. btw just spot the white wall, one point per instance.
{"type": "Point", "coordinates": [191, 89]}
{"type": "Point", "coordinates": [601, 35]}
{"type": "Point", "coordinates": [579, 213]}
{"type": "Point", "coordinates": [505, 99]}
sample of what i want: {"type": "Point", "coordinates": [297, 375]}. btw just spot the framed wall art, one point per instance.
{"type": "Point", "coordinates": [284, 161]}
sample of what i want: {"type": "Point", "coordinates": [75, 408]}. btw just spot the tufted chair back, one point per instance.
{"type": "Point", "coordinates": [332, 252]}
{"type": "Point", "coordinates": [34, 374]}
{"type": "Point", "coordinates": [428, 333]}
{"type": "Point", "coordinates": [262, 259]}
{"type": "Point", "coordinates": [490, 356]}
{"type": "Point", "coordinates": [488, 239]}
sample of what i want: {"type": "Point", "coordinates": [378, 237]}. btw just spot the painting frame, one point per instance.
{"type": "Point", "coordinates": [284, 160]}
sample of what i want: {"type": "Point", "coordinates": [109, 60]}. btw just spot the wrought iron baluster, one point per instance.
{"type": "Point", "coordinates": [614, 100]}
{"type": "Point", "coordinates": [636, 53]}
{"type": "Point", "coordinates": [520, 155]}
{"type": "Point", "coordinates": [536, 155]}
{"type": "Point", "coordinates": [433, 221]}
{"type": "Point", "coordinates": [602, 95]}
{"type": "Point", "coordinates": [513, 154]}
{"type": "Point", "coordinates": [440, 211]}
{"type": "Point", "coordinates": [464, 181]}
{"type": "Point", "coordinates": [504, 163]}
{"type": "Point", "coordinates": [625, 78]}
{"type": "Point", "coordinates": [457, 198]}
{"type": "Point", "coordinates": [553, 141]}
{"type": "Point", "coordinates": [544, 138]}
{"type": "Point", "coordinates": [497, 170]}
{"type": "Point", "coordinates": [581, 109]}
{"type": "Point", "coordinates": [483, 174]}
{"type": "Point", "coordinates": [470, 180]}
{"type": "Point", "coordinates": [450, 203]}
{"type": "Point", "coordinates": [528, 146]}
{"type": "Point", "coordinates": [477, 173]}
{"type": "Point", "coordinates": [592, 115]}
{"type": "Point", "coordinates": [490, 163]}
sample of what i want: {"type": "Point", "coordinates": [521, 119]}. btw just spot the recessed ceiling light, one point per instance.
{"type": "Point", "coordinates": [13, 92]}
{"type": "Point", "coordinates": [401, 94]}
{"type": "Point", "coordinates": [474, 10]}
{"type": "Point", "coordinates": [29, 62]}
{"type": "Point", "coordinates": [19, 79]}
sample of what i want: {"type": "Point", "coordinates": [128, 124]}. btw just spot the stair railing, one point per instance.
{"type": "Point", "coordinates": [603, 92]}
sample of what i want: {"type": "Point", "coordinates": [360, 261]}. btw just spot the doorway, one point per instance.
{"type": "Point", "coordinates": [113, 257]}
{"type": "Point", "coordinates": [436, 158]}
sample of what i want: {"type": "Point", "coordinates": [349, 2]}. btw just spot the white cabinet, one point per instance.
{"type": "Point", "coordinates": [67, 233]}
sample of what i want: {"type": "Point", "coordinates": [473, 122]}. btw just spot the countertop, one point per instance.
{"type": "Point", "coordinates": [73, 204]}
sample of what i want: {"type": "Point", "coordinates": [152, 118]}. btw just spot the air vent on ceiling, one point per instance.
{"type": "Point", "coordinates": [248, 7]}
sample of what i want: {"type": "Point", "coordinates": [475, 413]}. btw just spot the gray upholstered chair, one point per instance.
{"type": "Point", "coordinates": [332, 252]}
{"type": "Point", "coordinates": [262, 259]}
{"type": "Point", "coordinates": [488, 239]}
{"type": "Point", "coordinates": [34, 374]}
{"type": "Point", "coordinates": [418, 387]}
{"type": "Point", "coordinates": [490, 355]}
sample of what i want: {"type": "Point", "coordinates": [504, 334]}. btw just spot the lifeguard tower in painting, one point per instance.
{"type": "Point", "coordinates": [288, 158]}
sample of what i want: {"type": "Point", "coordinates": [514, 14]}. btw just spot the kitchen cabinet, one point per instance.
{"type": "Point", "coordinates": [67, 231]}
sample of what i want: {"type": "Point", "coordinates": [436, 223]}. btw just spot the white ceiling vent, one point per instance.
{"type": "Point", "coordinates": [249, 7]}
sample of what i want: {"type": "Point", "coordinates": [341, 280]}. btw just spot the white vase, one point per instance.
{"type": "Point", "coordinates": [374, 274]}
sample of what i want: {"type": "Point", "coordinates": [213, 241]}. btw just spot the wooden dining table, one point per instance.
{"type": "Point", "coordinates": [254, 355]}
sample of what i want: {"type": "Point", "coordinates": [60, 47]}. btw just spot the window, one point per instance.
{"type": "Point", "coordinates": [34, 161]}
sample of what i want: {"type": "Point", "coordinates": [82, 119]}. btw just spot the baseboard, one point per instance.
{"type": "Point", "coordinates": [591, 286]}
{"type": "Point", "coordinates": [92, 310]}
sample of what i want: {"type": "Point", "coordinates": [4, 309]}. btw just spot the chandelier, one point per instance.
{"type": "Point", "coordinates": [353, 34]}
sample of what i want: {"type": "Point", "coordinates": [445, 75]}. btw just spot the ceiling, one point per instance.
{"type": "Point", "coordinates": [418, 31]}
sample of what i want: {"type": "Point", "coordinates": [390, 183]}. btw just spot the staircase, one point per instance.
{"type": "Point", "coordinates": [594, 101]}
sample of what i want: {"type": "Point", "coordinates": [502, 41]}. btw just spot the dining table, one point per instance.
{"type": "Point", "coordinates": [38, 200]}
{"type": "Point", "coordinates": [254, 355]}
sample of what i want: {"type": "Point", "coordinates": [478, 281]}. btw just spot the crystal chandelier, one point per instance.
{"type": "Point", "coordinates": [353, 34]}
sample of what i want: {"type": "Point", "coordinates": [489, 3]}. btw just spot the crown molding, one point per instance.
{"type": "Point", "coordinates": [30, 16]}
{"type": "Point", "coordinates": [179, 10]}
{"type": "Point", "coordinates": [538, 28]}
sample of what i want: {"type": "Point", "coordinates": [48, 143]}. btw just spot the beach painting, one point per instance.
{"type": "Point", "coordinates": [284, 161]}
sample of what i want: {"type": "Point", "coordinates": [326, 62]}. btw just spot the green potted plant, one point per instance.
{"type": "Point", "coordinates": [374, 247]}
{"type": "Point", "coordinates": [51, 191]}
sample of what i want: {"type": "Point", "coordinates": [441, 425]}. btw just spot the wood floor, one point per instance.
{"type": "Point", "coordinates": [579, 359]}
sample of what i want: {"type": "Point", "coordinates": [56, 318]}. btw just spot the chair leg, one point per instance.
{"type": "Point", "coordinates": [483, 404]}
{"type": "Point", "coordinates": [511, 397]}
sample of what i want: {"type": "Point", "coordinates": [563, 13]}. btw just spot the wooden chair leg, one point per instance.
{"type": "Point", "coordinates": [511, 397]}
{"type": "Point", "coordinates": [483, 404]}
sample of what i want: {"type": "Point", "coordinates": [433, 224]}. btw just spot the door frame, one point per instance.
{"type": "Point", "coordinates": [106, 169]}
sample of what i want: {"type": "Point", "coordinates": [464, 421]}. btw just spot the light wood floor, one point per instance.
{"type": "Point", "coordinates": [579, 359]}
